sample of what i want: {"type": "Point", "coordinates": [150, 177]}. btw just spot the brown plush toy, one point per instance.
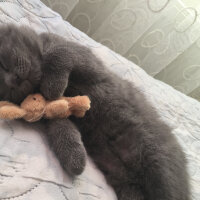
{"type": "Point", "coordinates": [34, 107]}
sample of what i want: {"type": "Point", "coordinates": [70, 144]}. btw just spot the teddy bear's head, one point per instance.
{"type": "Point", "coordinates": [34, 105]}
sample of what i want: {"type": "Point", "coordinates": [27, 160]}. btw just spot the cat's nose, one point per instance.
{"type": "Point", "coordinates": [11, 80]}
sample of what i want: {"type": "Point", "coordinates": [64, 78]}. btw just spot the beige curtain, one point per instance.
{"type": "Point", "coordinates": [161, 36]}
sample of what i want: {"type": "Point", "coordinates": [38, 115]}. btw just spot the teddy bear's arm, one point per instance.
{"type": "Point", "coordinates": [78, 105]}
{"type": "Point", "coordinates": [56, 108]}
{"type": "Point", "coordinates": [10, 111]}
{"type": "Point", "coordinates": [78, 102]}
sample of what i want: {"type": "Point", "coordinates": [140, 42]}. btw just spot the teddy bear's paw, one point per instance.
{"type": "Point", "coordinates": [86, 102]}
{"type": "Point", "coordinates": [79, 113]}
{"type": "Point", "coordinates": [81, 107]}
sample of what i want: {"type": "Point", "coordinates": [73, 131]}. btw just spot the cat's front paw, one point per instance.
{"type": "Point", "coordinates": [75, 165]}
{"type": "Point", "coordinates": [65, 139]}
{"type": "Point", "coordinates": [51, 91]}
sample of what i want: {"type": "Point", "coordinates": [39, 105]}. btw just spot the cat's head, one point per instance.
{"type": "Point", "coordinates": [20, 62]}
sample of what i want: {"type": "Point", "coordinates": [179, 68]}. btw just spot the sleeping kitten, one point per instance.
{"type": "Point", "coordinates": [123, 134]}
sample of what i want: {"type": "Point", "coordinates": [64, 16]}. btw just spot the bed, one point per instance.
{"type": "Point", "coordinates": [29, 169]}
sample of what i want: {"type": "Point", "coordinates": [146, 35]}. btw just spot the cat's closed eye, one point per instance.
{"type": "Point", "coordinates": [17, 79]}
{"type": "Point", "coordinates": [3, 67]}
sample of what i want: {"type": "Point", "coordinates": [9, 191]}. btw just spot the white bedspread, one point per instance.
{"type": "Point", "coordinates": [28, 168]}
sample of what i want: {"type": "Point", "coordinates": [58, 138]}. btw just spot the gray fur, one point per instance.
{"type": "Point", "coordinates": [123, 134]}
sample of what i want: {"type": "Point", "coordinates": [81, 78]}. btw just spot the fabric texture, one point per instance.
{"type": "Point", "coordinates": [161, 36]}
{"type": "Point", "coordinates": [29, 170]}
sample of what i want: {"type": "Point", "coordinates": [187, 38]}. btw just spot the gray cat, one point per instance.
{"type": "Point", "coordinates": [123, 134]}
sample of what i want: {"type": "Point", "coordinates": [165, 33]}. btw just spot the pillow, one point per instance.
{"type": "Point", "coordinates": [30, 170]}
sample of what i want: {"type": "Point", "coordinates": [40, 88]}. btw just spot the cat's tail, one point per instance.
{"type": "Point", "coordinates": [162, 175]}
{"type": "Point", "coordinates": [129, 192]}
{"type": "Point", "coordinates": [165, 175]}
{"type": "Point", "coordinates": [166, 183]}
{"type": "Point", "coordinates": [156, 187]}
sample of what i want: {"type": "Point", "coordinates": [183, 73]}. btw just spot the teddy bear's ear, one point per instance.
{"type": "Point", "coordinates": [11, 112]}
